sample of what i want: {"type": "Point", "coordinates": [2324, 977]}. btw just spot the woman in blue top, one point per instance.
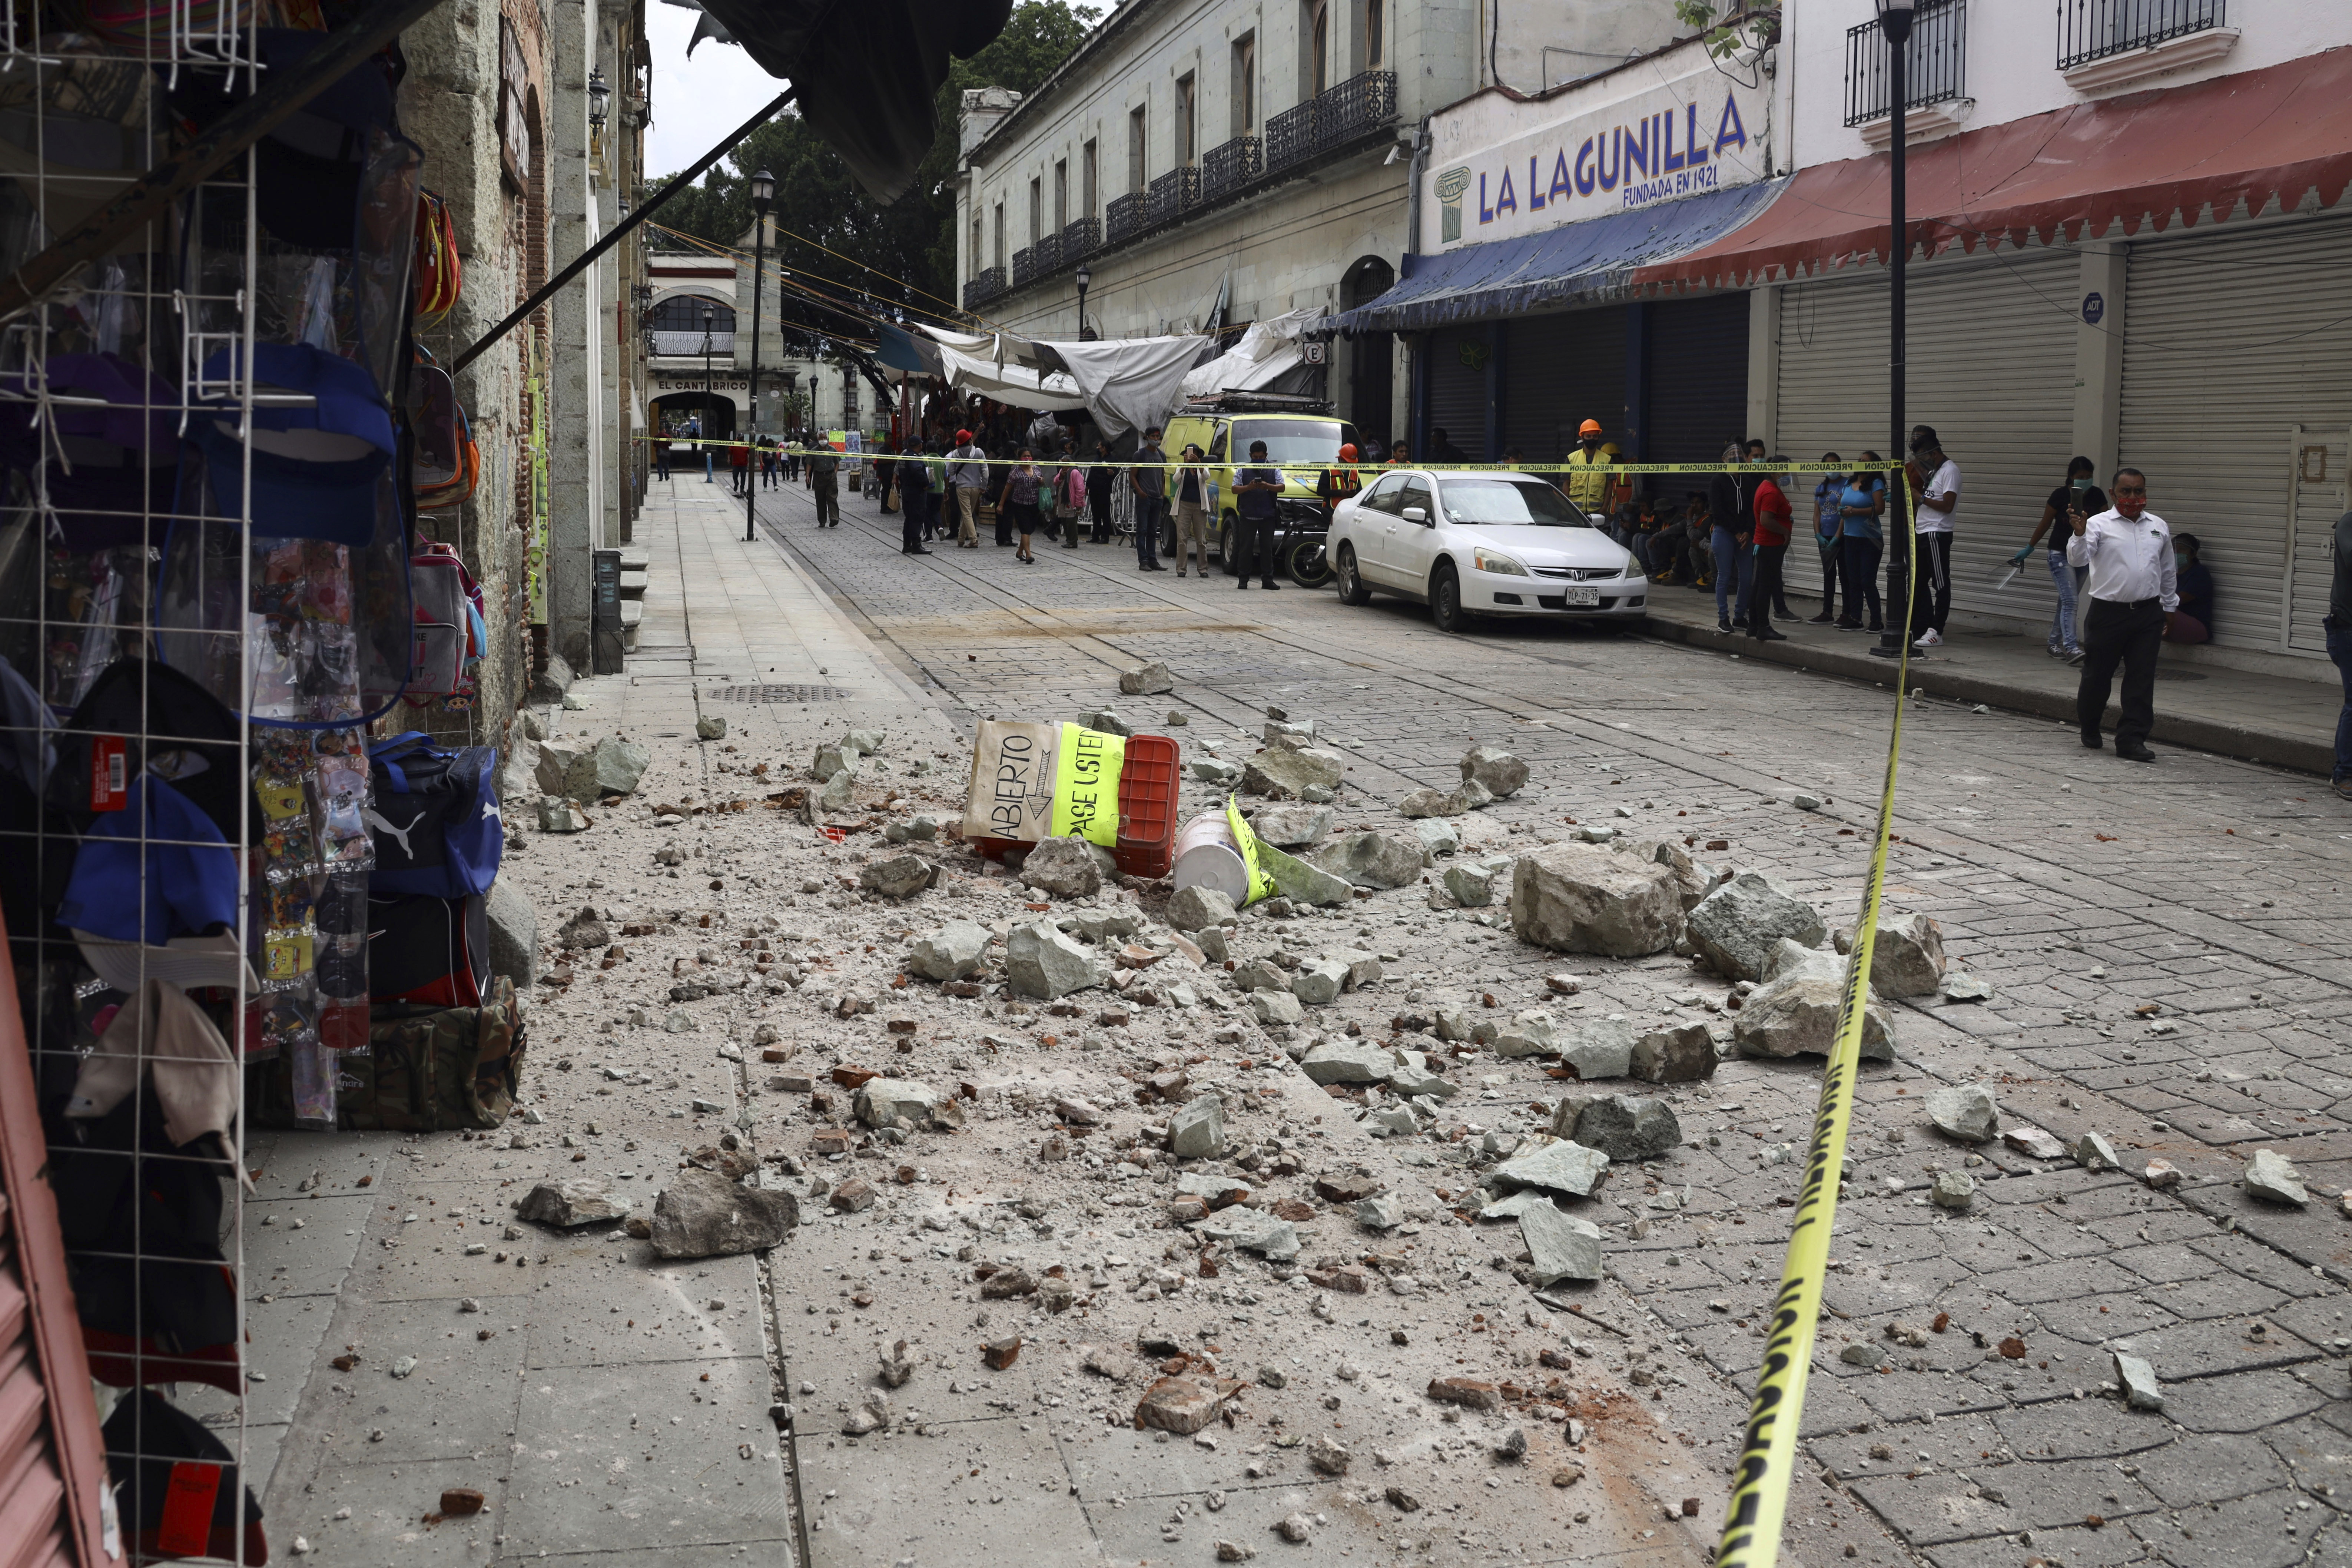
{"type": "Point", "coordinates": [1860, 505]}
{"type": "Point", "coordinates": [2193, 621]}
{"type": "Point", "coordinates": [1829, 527]}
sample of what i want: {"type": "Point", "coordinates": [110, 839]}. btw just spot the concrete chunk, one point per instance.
{"type": "Point", "coordinates": [1292, 826]}
{"type": "Point", "coordinates": [899, 877]}
{"type": "Point", "coordinates": [1043, 961]}
{"type": "Point", "coordinates": [1553, 1163]}
{"type": "Point", "coordinates": [701, 1214]}
{"type": "Point", "coordinates": [882, 1101]}
{"type": "Point", "coordinates": [1348, 1062]}
{"type": "Point", "coordinates": [956, 950]}
{"type": "Point", "coordinates": [1560, 1246]}
{"type": "Point", "coordinates": [564, 1205]}
{"type": "Point", "coordinates": [1064, 868]}
{"type": "Point", "coordinates": [1320, 983]}
{"type": "Point", "coordinates": [1193, 908]}
{"type": "Point", "coordinates": [1197, 1130]}
{"type": "Point", "coordinates": [2141, 1391]}
{"type": "Point", "coordinates": [2271, 1177]}
{"type": "Point", "coordinates": [1736, 926]}
{"type": "Point", "coordinates": [1146, 680]}
{"type": "Point", "coordinates": [1627, 1128]}
{"type": "Point", "coordinates": [1964, 1110]}
{"type": "Point", "coordinates": [1574, 898]}
{"type": "Point", "coordinates": [1497, 772]}
{"type": "Point", "coordinates": [1301, 882]}
{"type": "Point", "coordinates": [1906, 959]}
{"type": "Point", "coordinates": [1284, 774]}
{"type": "Point", "coordinates": [1680, 1052]}
{"type": "Point", "coordinates": [1372, 859]}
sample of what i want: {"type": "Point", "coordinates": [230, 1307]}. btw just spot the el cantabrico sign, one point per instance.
{"type": "Point", "coordinates": [1702, 132]}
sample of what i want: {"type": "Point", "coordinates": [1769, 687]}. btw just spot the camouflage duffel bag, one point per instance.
{"type": "Point", "coordinates": [426, 1069]}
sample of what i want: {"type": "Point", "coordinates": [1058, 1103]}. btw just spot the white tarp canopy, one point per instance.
{"type": "Point", "coordinates": [1268, 350]}
{"type": "Point", "coordinates": [1126, 384]}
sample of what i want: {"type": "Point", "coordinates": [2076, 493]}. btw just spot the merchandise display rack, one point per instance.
{"type": "Point", "coordinates": [205, 608]}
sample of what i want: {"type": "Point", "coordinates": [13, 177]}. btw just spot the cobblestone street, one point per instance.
{"type": "Point", "coordinates": [2169, 961]}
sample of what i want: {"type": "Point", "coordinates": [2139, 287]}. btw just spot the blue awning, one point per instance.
{"type": "Point", "coordinates": [1595, 259]}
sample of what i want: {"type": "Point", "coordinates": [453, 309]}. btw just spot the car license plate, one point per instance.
{"type": "Point", "coordinates": [1582, 595]}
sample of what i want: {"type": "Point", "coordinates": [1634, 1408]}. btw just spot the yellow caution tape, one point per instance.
{"type": "Point", "coordinates": [1260, 884]}
{"type": "Point", "coordinates": [1086, 784]}
{"type": "Point", "coordinates": [1767, 1463]}
{"type": "Point", "coordinates": [1374, 469]}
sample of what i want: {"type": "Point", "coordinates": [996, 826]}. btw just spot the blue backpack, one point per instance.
{"type": "Point", "coordinates": [435, 818]}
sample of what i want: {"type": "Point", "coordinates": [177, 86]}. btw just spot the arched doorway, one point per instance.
{"type": "Point", "coordinates": [679, 414]}
{"type": "Point", "coordinates": [1372, 358]}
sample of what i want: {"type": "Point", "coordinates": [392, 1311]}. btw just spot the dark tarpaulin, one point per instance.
{"type": "Point", "coordinates": [866, 70]}
{"type": "Point", "coordinates": [1574, 261]}
{"type": "Point", "coordinates": [2282, 132]}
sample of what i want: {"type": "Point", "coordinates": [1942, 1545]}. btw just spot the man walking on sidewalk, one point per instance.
{"type": "Point", "coordinates": [967, 478]}
{"type": "Point", "coordinates": [825, 485]}
{"type": "Point", "coordinates": [2128, 551]}
{"type": "Point", "coordinates": [1150, 480]}
{"type": "Point", "coordinates": [1255, 489]}
{"type": "Point", "coordinates": [1938, 478]}
{"type": "Point", "coordinates": [2339, 648]}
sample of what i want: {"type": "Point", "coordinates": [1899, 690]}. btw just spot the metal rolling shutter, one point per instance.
{"type": "Point", "coordinates": [1457, 393]}
{"type": "Point", "coordinates": [1992, 362]}
{"type": "Point", "coordinates": [1560, 371]}
{"type": "Point", "coordinates": [1697, 381]}
{"type": "Point", "coordinates": [2231, 341]}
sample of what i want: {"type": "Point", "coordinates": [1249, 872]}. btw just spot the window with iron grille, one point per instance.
{"type": "Point", "coordinates": [1935, 59]}
{"type": "Point", "coordinates": [2093, 30]}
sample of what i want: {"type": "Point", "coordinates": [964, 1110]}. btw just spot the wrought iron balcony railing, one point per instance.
{"type": "Point", "coordinates": [1361, 105]}
{"type": "Point", "coordinates": [1227, 169]}
{"type": "Point", "coordinates": [2093, 30]}
{"type": "Point", "coordinates": [1080, 238]}
{"type": "Point", "coordinates": [1935, 61]}
{"type": "Point", "coordinates": [1123, 219]}
{"type": "Point", "coordinates": [986, 286]}
{"type": "Point", "coordinates": [1171, 195]}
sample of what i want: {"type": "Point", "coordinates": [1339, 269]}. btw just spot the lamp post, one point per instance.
{"type": "Point", "coordinates": [1085, 275]}
{"type": "Point", "coordinates": [763, 191]}
{"type": "Point", "coordinates": [1894, 21]}
{"type": "Point", "coordinates": [709, 396]}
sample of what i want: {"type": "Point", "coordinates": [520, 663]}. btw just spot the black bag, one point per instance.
{"type": "Point", "coordinates": [430, 951]}
{"type": "Point", "coordinates": [180, 1486]}
{"type": "Point", "coordinates": [436, 819]}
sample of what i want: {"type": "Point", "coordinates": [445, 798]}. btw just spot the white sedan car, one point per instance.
{"type": "Point", "coordinates": [1481, 544]}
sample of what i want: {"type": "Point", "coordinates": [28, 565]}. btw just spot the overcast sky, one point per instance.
{"type": "Point", "coordinates": [698, 101]}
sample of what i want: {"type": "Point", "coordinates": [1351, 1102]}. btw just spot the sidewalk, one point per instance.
{"type": "Point", "coordinates": [2287, 723]}
{"type": "Point", "coordinates": [612, 1406]}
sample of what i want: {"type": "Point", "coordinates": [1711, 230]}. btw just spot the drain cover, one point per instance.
{"type": "Point", "coordinates": [776, 694]}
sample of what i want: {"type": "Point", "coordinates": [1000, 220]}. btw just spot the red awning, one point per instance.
{"type": "Point", "coordinates": [2281, 131]}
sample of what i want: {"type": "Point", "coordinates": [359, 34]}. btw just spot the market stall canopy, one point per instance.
{"type": "Point", "coordinates": [1267, 351]}
{"type": "Point", "coordinates": [2281, 133]}
{"type": "Point", "coordinates": [1126, 384]}
{"type": "Point", "coordinates": [1597, 257]}
{"type": "Point", "coordinates": [867, 72]}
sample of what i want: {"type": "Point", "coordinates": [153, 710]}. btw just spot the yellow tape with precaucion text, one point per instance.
{"type": "Point", "coordinates": [1767, 1460]}
{"type": "Point", "coordinates": [1087, 767]}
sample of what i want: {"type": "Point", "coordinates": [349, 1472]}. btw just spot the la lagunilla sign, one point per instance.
{"type": "Point", "coordinates": [1703, 131]}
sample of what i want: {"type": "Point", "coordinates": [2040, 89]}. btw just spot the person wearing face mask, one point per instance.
{"type": "Point", "coordinates": [1588, 488]}
{"type": "Point", "coordinates": [2133, 583]}
{"type": "Point", "coordinates": [2193, 621]}
{"type": "Point", "coordinates": [2077, 494]}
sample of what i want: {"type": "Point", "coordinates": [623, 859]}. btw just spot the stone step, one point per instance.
{"type": "Point", "coordinates": [633, 584]}
{"type": "Point", "coordinates": [637, 557]}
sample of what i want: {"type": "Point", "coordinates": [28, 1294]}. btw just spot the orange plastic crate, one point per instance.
{"type": "Point", "coordinates": [1147, 807]}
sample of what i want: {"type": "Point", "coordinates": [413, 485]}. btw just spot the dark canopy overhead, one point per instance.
{"type": "Point", "coordinates": [866, 70]}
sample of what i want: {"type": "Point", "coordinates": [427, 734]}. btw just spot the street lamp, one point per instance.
{"type": "Point", "coordinates": [1894, 18]}
{"type": "Point", "coordinates": [710, 395]}
{"type": "Point", "coordinates": [763, 191]}
{"type": "Point", "coordinates": [600, 100]}
{"type": "Point", "coordinates": [1085, 275]}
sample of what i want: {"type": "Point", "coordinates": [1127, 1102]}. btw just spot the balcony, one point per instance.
{"type": "Point", "coordinates": [1045, 256]}
{"type": "Point", "coordinates": [1225, 170]}
{"type": "Point", "coordinates": [1080, 239]}
{"type": "Point", "coordinates": [987, 286]}
{"type": "Point", "coordinates": [2107, 43]}
{"type": "Point", "coordinates": [1171, 195]}
{"type": "Point", "coordinates": [1356, 108]}
{"type": "Point", "coordinates": [665, 342]}
{"type": "Point", "coordinates": [1936, 60]}
{"type": "Point", "coordinates": [1024, 268]}
{"type": "Point", "coordinates": [1123, 219]}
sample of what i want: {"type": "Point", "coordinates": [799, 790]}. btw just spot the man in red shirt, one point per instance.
{"type": "Point", "coordinates": [1773, 520]}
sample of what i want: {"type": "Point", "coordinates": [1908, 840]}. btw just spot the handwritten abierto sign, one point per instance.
{"type": "Point", "coordinates": [1011, 791]}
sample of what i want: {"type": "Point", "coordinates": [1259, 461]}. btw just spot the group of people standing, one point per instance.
{"type": "Point", "coordinates": [1058, 495]}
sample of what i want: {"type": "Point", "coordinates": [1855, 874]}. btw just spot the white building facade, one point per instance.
{"type": "Point", "coordinates": [699, 353]}
{"type": "Point", "coordinates": [1212, 162]}
{"type": "Point", "coordinates": [2127, 235]}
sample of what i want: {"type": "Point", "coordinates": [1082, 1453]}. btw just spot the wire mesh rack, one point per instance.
{"type": "Point", "coordinates": [206, 601]}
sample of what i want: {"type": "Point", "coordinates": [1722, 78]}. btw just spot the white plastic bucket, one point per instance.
{"type": "Point", "coordinates": [1206, 856]}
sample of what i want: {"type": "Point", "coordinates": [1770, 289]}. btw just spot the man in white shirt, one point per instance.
{"type": "Point", "coordinates": [2128, 551]}
{"type": "Point", "coordinates": [1938, 481]}
{"type": "Point", "coordinates": [968, 479]}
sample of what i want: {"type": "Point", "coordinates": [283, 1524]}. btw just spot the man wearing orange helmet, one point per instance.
{"type": "Point", "coordinates": [1588, 489]}
{"type": "Point", "coordinates": [1338, 483]}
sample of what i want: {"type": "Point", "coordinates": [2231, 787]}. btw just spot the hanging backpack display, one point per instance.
{"type": "Point", "coordinates": [452, 633]}
{"type": "Point", "coordinates": [435, 818]}
{"type": "Point", "coordinates": [437, 260]}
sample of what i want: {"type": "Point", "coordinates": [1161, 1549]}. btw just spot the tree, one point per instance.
{"type": "Point", "coordinates": [1750, 25]}
{"type": "Point", "coordinates": [910, 243]}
